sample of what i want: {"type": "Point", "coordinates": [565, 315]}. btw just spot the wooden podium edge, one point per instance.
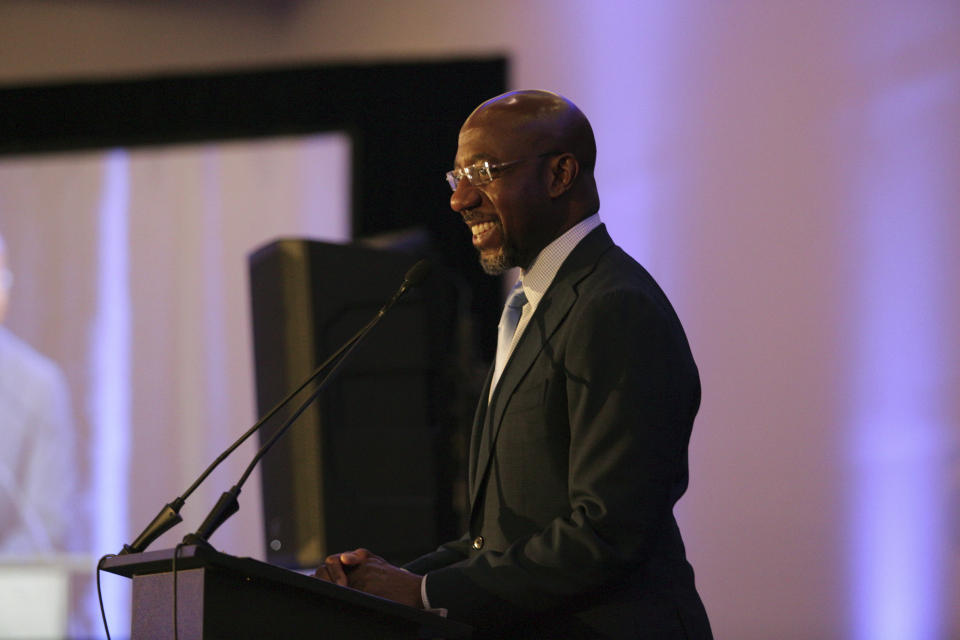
{"type": "Point", "coordinates": [195, 556]}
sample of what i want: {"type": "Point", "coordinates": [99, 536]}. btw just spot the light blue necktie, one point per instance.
{"type": "Point", "coordinates": [508, 326]}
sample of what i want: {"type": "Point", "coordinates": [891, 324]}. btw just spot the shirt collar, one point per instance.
{"type": "Point", "coordinates": [536, 280]}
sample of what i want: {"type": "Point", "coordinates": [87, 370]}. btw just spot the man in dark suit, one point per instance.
{"type": "Point", "coordinates": [579, 445]}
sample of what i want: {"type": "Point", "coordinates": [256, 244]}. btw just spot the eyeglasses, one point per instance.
{"type": "Point", "coordinates": [485, 172]}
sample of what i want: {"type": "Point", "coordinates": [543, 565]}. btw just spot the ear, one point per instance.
{"type": "Point", "coordinates": [564, 169]}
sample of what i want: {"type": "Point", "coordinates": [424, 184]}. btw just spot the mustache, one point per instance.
{"type": "Point", "coordinates": [473, 217]}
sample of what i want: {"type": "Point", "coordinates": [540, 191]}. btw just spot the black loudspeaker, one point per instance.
{"type": "Point", "coordinates": [368, 464]}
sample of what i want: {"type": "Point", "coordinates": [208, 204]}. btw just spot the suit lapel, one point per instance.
{"type": "Point", "coordinates": [550, 313]}
{"type": "Point", "coordinates": [479, 418]}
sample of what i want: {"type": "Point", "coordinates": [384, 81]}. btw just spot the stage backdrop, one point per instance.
{"type": "Point", "coordinates": [135, 264]}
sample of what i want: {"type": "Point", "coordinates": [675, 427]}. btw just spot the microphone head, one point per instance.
{"type": "Point", "coordinates": [417, 273]}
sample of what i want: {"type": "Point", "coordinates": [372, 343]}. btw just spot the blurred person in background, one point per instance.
{"type": "Point", "coordinates": [36, 459]}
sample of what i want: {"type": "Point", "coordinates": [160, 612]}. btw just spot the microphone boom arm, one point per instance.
{"type": "Point", "coordinates": [169, 515]}
{"type": "Point", "coordinates": [228, 505]}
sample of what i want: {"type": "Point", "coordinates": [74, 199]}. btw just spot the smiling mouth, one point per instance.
{"type": "Point", "coordinates": [487, 234]}
{"type": "Point", "coordinates": [481, 228]}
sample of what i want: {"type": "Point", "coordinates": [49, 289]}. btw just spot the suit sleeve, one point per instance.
{"type": "Point", "coordinates": [627, 390]}
{"type": "Point", "coordinates": [446, 555]}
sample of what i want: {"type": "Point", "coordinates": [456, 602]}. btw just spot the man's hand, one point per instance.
{"type": "Point", "coordinates": [367, 572]}
{"type": "Point", "coordinates": [335, 567]}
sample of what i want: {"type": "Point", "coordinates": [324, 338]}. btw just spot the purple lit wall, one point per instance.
{"type": "Point", "coordinates": [902, 336]}
{"type": "Point", "coordinates": [789, 173]}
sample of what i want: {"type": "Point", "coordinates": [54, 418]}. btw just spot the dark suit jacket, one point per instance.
{"type": "Point", "coordinates": [575, 467]}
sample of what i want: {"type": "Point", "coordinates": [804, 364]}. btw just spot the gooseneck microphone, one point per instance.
{"type": "Point", "coordinates": [227, 505]}
{"type": "Point", "coordinates": [169, 516]}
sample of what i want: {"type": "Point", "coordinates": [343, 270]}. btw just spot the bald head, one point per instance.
{"type": "Point", "coordinates": [542, 122]}
{"type": "Point", "coordinates": [540, 119]}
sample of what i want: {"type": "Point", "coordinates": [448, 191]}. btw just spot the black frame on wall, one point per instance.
{"type": "Point", "coordinates": [403, 120]}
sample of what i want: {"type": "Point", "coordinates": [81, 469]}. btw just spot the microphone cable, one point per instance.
{"type": "Point", "coordinates": [103, 613]}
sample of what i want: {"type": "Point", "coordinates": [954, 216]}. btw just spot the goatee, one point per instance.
{"type": "Point", "coordinates": [495, 265]}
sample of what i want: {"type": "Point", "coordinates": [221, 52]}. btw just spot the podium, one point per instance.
{"type": "Point", "coordinates": [222, 596]}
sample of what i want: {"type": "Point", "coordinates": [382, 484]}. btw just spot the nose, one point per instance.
{"type": "Point", "coordinates": [465, 196]}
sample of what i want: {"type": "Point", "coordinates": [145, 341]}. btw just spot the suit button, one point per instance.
{"type": "Point", "coordinates": [478, 543]}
